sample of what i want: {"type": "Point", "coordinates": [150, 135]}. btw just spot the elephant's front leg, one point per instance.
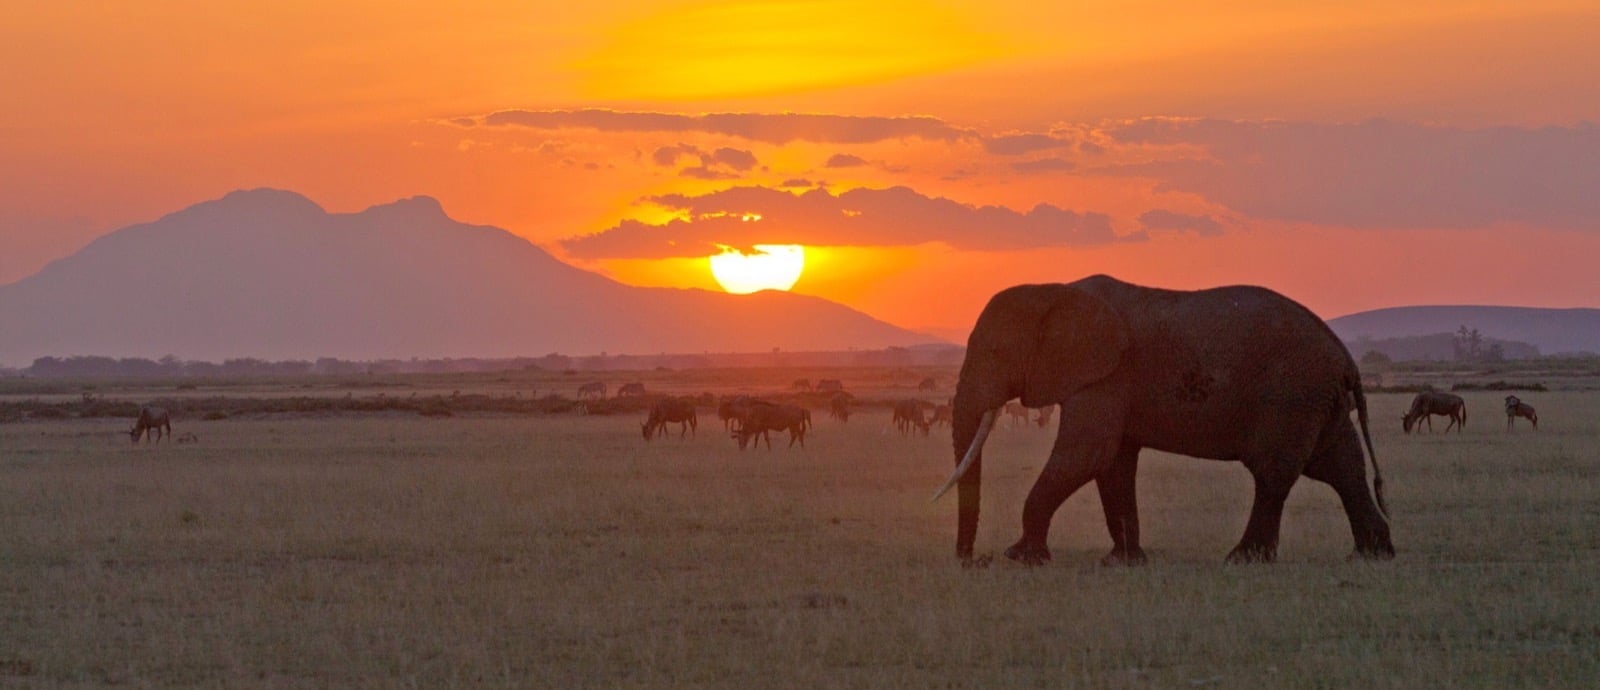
{"type": "Point", "coordinates": [1071, 465]}
{"type": "Point", "coordinates": [1118, 499]}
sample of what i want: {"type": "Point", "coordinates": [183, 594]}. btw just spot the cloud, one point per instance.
{"type": "Point", "coordinates": [1043, 165]}
{"type": "Point", "coordinates": [722, 164]}
{"type": "Point", "coordinates": [1020, 144]}
{"type": "Point", "coordinates": [1376, 174]}
{"type": "Point", "coordinates": [1162, 219]}
{"type": "Point", "coordinates": [771, 128]}
{"type": "Point", "coordinates": [669, 155]}
{"type": "Point", "coordinates": [844, 160]}
{"type": "Point", "coordinates": [798, 183]}
{"type": "Point", "coordinates": [897, 216]}
{"type": "Point", "coordinates": [733, 158]}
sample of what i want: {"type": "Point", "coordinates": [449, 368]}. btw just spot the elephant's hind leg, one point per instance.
{"type": "Point", "coordinates": [1339, 463]}
{"type": "Point", "coordinates": [1119, 500]}
{"type": "Point", "coordinates": [1275, 465]}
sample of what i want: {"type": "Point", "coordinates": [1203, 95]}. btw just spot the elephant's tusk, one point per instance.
{"type": "Point", "coordinates": [984, 425]}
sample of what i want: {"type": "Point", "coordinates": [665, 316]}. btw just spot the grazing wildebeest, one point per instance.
{"type": "Point", "coordinates": [1516, 408]}
{"type": "Point", "coordinates": [631, 390]}
{"type": "Point", "coordinates": [1018, 414]}
{"type": "Point", "coordinates": [151, 421]}
{"type": "Point", "coordinates": [801, 385]}
{"type": "Point", "coordinates": [1044, 415]}
{"type": "Point", "coordinates": [729, 410]}
{"type": "Point", "coordinates": [908, 417]}
{"type": "Point", "coordinates": [941, 415]}
{"type": "Point", "coordinates": [1429, 403]}
{"type": "Point", "coordinates": [592, 389]}
{"type": "Point", "coordinates": [839, 406]}
{"type": "Point", "coordinates": [830, 386]}
{"type": "Point", "coordinates": [759, 417]}
{"type": "Point", "coordinates": [928, 384]}
{"type": "Point", "coordinates": [668, 410]}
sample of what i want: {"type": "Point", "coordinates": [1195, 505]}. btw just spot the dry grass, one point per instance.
{"type": "Point", "coordinates": [566, 552]}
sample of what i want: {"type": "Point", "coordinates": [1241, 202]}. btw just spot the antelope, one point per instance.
{"type": "Point", "coordinates": [801, 385]}
{"type": "Point", "coordinates": [829, 386]}
{"type": "Point", "coordinates": [592, 389]}
{"type": "Point", "coordinates": [1516, 408]}
{"type": "Point", "coordinates": [941, 415]}
{"type": "Point", "coordinates": [635, 389]}
{"type": "Point", "coordinates": [666, 411]}
{"type": "Point", "coordinates": [1429, 403]}
{"type": "Point", "coordinates": [928, 384]}
{"type": "Point", "coordinates": [151, 421]}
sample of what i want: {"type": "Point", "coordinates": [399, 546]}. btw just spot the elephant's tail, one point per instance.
{"type": "Point", "coordinates": [1366, 436]}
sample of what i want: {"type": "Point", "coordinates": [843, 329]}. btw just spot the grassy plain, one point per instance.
{"type": "Point", "coordinates": [394, 550]}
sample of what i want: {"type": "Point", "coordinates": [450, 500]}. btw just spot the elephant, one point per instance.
{"type": "Point", "coordinates": [1232, 373]}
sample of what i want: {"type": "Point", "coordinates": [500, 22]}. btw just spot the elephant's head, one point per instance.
{"type": "Point", "coordinates": [1041, 343]}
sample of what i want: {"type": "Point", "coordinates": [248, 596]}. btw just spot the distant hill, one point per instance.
{"type": "Point", "coordinates": [270, 274]}
{"type": "Point", "coordinates": [1552, 331]}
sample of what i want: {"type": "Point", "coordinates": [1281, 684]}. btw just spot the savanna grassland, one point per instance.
{"type": "Point", "coordinates": [392, 549]}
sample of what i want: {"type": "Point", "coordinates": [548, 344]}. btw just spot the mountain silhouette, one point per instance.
{"type": "Point", "coordinates": [269, 274]}
{"type": "Point", "coordinates": [1553, 331]}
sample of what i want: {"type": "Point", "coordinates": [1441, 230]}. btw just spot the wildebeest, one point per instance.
{"type": "Point", "coordinates": [908, 417]}
{"type": "Point", "coordinates": [839, 406]}
{"type": "Point", "coordinates": [628, 390]}
{"type": "Point", "coordinates": [151, 421]}
{"type": "Point", "coordinates": [1429, 403]}
{"type": "Point", "coordinates": [592, 389]}
{"type": "Point", "coordinates": [1018, 414]}
{"type": "Point", "coordinates": [1045, 413]}
{"type": "Point", "coordinates": [1516, 408]}
{"type": "Point", "coordinates": [941, 415]}
{"type": "Point", "coordinates": [669, 410]}
{"type": "Point", "coordinates": [829, 386]}
{"type": "Point", "coordinates": [729, 409]}
{"type": "Point", "coordinates": [928, 384]}
{"type": "Point", "coordinates": [801, 385]}
{"type": "Point", "coordinates": [758, 417]}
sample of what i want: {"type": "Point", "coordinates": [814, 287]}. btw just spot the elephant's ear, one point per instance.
{"type": "Point", "coordinates": [1081, 340]}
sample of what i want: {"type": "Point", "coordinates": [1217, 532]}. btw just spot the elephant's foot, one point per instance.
{"type": "Point", "coordinates": [1124, 557]}
{"type": "Point", "coordinates": [1028, 554]}
{"type": "Point", "coordinates": [1252, 553]}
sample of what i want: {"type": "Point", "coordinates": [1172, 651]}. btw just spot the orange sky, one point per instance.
{"type": "Point", "coordinates": [1355, 156]}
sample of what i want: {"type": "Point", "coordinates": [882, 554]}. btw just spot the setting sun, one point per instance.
{"type": "Point", "coordinates": [769, 267]}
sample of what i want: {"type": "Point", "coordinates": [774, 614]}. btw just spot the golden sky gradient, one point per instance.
{"type": "Point", "coordinates": [1334, 151]}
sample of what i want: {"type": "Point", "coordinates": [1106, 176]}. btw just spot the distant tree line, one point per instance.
{"type": "Point", "coordinates": [170, 366]}
{"type": "Point", "coordinates": [1466, 345]}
